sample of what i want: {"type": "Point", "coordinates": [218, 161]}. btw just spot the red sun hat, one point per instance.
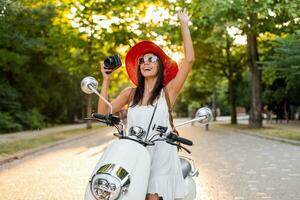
{"type": "Point", "coordinates": [142, 48]}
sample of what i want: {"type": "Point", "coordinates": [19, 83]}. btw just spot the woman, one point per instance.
{"type": "Point", "coordinates": [151, 70]}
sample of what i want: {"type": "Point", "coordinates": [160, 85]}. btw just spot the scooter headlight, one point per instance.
{"type": "Point", "coordinates": [109, 182]}
{"type": "Point", "coordinates": [137, 132]}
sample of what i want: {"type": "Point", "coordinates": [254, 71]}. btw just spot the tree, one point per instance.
{"type": "Point", "coordinates": [34, 91]}
{"type": "Point", "coordinates": [228, 59]}
{"type": "Point", "coordinates": [253, 18]}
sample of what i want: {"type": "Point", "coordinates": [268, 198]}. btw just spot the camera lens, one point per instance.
{"type": "Point", "coordinates": [108, 62]}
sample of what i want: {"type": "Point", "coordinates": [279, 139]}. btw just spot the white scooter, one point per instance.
{"type": "Point", "coordinates": [123, 170]}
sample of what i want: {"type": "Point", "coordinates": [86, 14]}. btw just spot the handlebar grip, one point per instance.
{"type": "Point", "coordinates": [184, 141]}
{"type": "Point", "coordinates": [110, 119]}
{"type": "Point", "coordinates": [99, 116]}
{"type": "Point", "coordinates": [173, 137]}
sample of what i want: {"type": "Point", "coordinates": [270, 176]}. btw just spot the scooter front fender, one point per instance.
{"type": "Point", "coordinates": [135, 159]}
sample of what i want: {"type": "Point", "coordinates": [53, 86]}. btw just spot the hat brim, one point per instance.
{"type": "Point", "coordinates": [142, 48]}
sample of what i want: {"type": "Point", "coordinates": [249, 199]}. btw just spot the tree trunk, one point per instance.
{"type": "Point", "coordinates": [255, 120]}
{"type": "Point", "coordinates": [214, 103]}
{"type": "Point", "coordinates": [231, 85]}
{"type": "Point", "coordinates": [232, 100]}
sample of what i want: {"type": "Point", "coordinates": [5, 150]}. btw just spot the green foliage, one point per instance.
{"type": "Point", "coordinates": [33, 91]}
{"type": "Point", "coordinates": [31, 119]}
{"type": "Point", "coordinates": [8, 124]}
{"type": "Point", "coordinates": [253, 16]}
{"type": "Point", "coordinates": [286, 58]}
{"type": "Point", "coordinates": [8, 98]}
{"type": "Point", "coordinates": [284, 63]}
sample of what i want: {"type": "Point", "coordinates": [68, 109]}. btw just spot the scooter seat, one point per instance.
{"type": "Point", "coordinates": [186, 167]}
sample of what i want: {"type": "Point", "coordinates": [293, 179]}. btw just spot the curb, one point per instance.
{"type": "Point", "coordinates": [29, 152]}
{"type": "Point", "coordinates": [278, 139]}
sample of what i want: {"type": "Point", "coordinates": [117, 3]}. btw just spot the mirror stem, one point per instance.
{"type": "Point", "coordinates": [190, 121]}
{"type": "Point", "coordinates": [96, 92]}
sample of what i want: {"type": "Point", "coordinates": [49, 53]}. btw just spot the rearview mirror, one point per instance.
{"type": "Point", "coordinates": [89, 85]}
{"type": "Point", "coordinates": [204, 111]}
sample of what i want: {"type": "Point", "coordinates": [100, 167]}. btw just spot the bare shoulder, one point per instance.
{"type": "Point", "coordinates": [127, 92]}
{"type": "Point", "coordinates": [122, 99]}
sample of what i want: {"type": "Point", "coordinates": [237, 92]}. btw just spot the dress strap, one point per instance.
{"type": "Point", "coordinates": [170, 113]}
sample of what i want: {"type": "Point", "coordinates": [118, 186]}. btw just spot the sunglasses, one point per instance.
{"type": "Point", "coordinates": [151, 59]}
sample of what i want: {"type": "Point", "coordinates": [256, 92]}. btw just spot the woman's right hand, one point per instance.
{"type": "Point", "coordinates": [106, 73]}
{"type": "Point", "coordinates": [183, 17]}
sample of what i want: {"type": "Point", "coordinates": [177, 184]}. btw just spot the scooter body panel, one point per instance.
{"type": "Point", "coordinates": [190, 186]}
{"type": "Point", "coordinates": [135, 159]}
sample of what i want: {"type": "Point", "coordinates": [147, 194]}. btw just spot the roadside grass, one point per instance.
{"type": "Point", "coordinates": [17, 146]}
{"type": "Point", "coordinates": [269, 131]}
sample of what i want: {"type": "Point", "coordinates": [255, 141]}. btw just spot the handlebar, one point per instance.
{"type": "Point", "coordinates": [171, 138]}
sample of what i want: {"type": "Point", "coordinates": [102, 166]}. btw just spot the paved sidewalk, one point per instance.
{"type": "Point", "coordinates": [34, 133]}
{"type": "Point", "coordinates": [244, 119]}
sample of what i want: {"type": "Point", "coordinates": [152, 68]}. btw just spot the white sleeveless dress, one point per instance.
{"type": "Point", "coordinates": [166, 177]}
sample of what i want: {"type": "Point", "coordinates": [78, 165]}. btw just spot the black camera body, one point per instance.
{"type": "Point", "coordinates": [113, 62]}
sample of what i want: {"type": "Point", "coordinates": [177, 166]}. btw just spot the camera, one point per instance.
{"type": "Point", "coordinates": [112, 62]}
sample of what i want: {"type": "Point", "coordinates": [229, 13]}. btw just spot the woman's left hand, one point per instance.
{"type": "Point", "coordinates": [183, 16]}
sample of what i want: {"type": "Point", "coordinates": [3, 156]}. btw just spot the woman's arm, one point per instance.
{"type": "Point", "coordinates": [176, 84]}
{"type": "Point", "coordinates": [119, 102]}
{"type": "Point", "coordinates": [102, 106]}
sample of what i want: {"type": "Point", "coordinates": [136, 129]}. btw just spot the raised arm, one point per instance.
{"type": "Point", "coordinates": [176, 84]}
{"type": "Point", "coordinates": [119, 102]}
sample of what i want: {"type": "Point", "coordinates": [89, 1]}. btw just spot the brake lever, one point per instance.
{"type": "Point", "coordinates": [89, 118]}
{"type": "Point", "coordinates": [174, 144]}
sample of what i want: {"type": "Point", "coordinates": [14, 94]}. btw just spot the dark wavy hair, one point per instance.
{"type": "Point", "coordinates": [139, 91]}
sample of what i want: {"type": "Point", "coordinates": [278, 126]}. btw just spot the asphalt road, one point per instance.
{"type": "Point", "coordinates": [243, 167]}
{"type": "Point", "coordinates": [232, 167]}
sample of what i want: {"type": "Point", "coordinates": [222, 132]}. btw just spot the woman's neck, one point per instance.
{"type": "Point", "coordinates": [149, 84]}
